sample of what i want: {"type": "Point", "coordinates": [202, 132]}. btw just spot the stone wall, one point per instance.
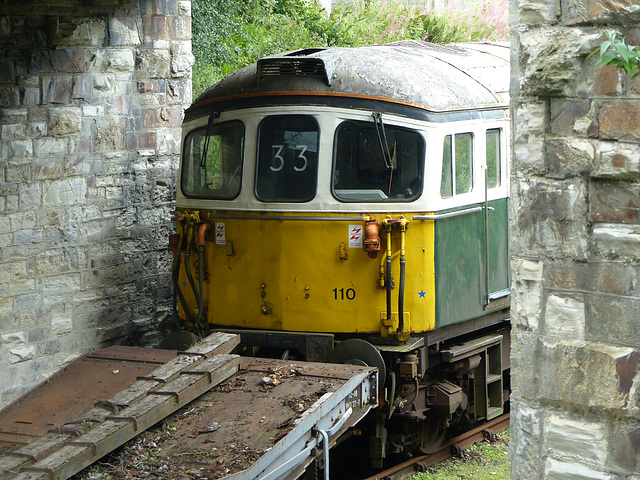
{"type": "Point", "coordinates": [575, 244]}
{"type": "Point", "coordinates": [91, 100]}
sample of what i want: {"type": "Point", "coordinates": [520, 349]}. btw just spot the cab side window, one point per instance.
{"type": "Point", "coordinates": [493, 158]}
{"type": "Point", "coordinates": [457, 165]}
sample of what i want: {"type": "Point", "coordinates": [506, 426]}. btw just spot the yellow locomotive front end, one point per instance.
{"type": "Point", "coordinates": [305, 245]}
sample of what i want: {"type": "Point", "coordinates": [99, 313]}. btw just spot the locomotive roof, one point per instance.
{"type": "Point", "coordinates": [430, 76]}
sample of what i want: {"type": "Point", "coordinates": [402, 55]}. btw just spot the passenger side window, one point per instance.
{"type": "Point", "coordinates": [493, 158]}
{"type": "Point", "coordinates": [457, 165]}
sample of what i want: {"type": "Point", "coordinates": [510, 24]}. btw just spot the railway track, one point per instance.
{"type": "Point", "coordinates": [447, 450]}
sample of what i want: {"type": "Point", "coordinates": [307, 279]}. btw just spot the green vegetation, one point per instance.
{"type": "Point", "coordinates": [616, 53]}
{"type": "Point", "coordinates": [483, 461]}
{"type": "Point", "coordinates": [230, 34]}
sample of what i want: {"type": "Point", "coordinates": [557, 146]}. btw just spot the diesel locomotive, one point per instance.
{"type": "Point", "coordinates": [350, 205]}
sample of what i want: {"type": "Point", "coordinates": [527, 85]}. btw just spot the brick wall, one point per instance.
{"type": "Point", "coordinates": [575, 245]}
{"type": "Point", "coordinates": [91, 99]}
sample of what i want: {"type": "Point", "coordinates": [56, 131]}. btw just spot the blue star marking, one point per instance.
{"type": "Point", "coordinates": [184, 284]}
{"type": "Point", "coordinates": [422, 293]}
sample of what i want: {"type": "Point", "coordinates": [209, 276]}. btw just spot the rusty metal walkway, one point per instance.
{"type": "Point", "coordinates": [281, 412]}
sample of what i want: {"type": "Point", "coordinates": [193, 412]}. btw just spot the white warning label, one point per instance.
{"type": "Point", "coordinates": [221, 238]}
{"type": "Point", "coordinates": [355, 236]}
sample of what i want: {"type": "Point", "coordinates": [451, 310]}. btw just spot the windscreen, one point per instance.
{"type": "Point", "coordinates": [287, 159]}
{"type": "Point", "coordinates": [212, 161]}
{"type": "Point", "coordinates": [363, 172]}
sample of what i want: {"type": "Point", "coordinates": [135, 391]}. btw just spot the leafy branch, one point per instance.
{"type": "Point", "coordinates": [616, 53]}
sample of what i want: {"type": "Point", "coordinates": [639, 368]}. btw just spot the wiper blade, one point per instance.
{"type": "Point", "coordinates": [205, 147]}
{"type": "Point", "coordinates": [382, 138]}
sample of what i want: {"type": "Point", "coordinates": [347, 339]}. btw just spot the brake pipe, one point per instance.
{"type": "Point", "coordinates": [388, 281]}
{"type": "Point", "coordinates": [200, 242]}
{"type": "Point", "coordinates": [187, 263]}
{"type": "Point", "coordinates": [403, 261]}
{"type": "Point", "coordinates": [175, 273]}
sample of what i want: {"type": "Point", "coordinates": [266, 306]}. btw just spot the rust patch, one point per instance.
{"type": "Point", "coordinates": [626, 370]}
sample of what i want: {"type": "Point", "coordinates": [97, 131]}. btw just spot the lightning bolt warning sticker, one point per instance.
{"type": "Point", "coordinates": [355, 236]}
{"type": "Point", "coordinates": [221, 238]}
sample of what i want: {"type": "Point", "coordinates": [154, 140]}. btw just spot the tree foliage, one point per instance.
{"type": "Point", "coordinates": [229, 34]}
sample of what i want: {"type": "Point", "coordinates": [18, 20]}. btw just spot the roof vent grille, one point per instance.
{"type": "Point", "coordinates": [291, 67]}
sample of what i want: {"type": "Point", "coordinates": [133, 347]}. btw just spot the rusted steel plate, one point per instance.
{"type": "Point", "coordinates": [121, 414]}
{"type": "Point", "coordinates": [75, 389]}
{"type": "Point", "coordinates": [228, 429]}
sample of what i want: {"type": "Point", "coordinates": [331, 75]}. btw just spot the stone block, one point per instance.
{"type": "Point", "coordinates": [21, 148]}
{"type": "Point", "coordinates": [599, 11]}
{"type": "Point", "coordinates": [67, 60]}
{"type": "Point", "coordinates": [119, 60]}
{"type": "Point", "coordinates": [27, 236]}
{"type": "Point", "coordinates": [48, 171]}
{"type": "Point", "coordinates": [155, 28]}
{"type": "Point", "coordinates": [568, 157]}
{"type": "Point", "coordinates": [577, 438]}
{"type": "Point", "coordinates": [581, 374]}
{"type": "Point", "coordinates": [623, 446]}
{"type": "Point", "coordinates": [30, 96]}
{"type": "Point", "coordinates": [61, 284]}
{"type": "Point", "coordinates": [30, 196]}
{"type": "Point", "coordinates": [558, 470]}
{"type": "Point", "coordinates": [617, 160]}
{"type": "Point", "coordinates": [123, 31]}
{"type": "Point", "coordinates": [534, 12]}
{"type": "Point", "coordinates": [13, 339]}
{"type": "Point", "coordinates": [607, 81]}
{"type": "Point", "coordinates": [57, 89]}
{"type": "Point", "coordinates": [65, 121]}
{"type": "Point", "coordinates": [75, 31]}
{"type": "Point", "coordinates": [68, 191]}
{"type": "Point", "coordinates": [526, 425]}
{"type": "Point", "coordinates": [550, 216]}
{"type": "Point", "coordinates": [609, 319]}
{"type": "Point", "coordinates": [553, 59]}
{"type": "Point", "coordinates": [18, 173]}
{"type": "Point", "coordinates": [36, 129]}
{"type": "Point", "coordinates": [21, 354]}
{"type": "Point", "coordinates": [614, 202]}
{"type": "Point", "coordinates": [10, 96]}
{"type": "Point", "coordinates": [570, 116]}
{"type": "Point", "coordinates": [620, 119]}
{"type": "Point", "coordinates": [526, 293]}
{"type": "Point", "coordinates": [13, 131]}
{"type": "Point", "coordinates": [153, 63]}
{"type": "Point", "coordinates": [181, 59]}
{"type": "Point", "coordinates": [181, 28]}
{"type": "Point", "coordinates": [48, 147]}
{"type": "Point", "coordinates": [108, 134]}
{"type": "Point", "coordinates": [529, 153]}
{"type": "Point", "coordinates": [617, 278]}
{"type": "Point", "coordinates": [565, 315]}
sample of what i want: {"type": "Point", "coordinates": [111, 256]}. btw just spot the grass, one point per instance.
{"type": "Point", "coordinates": [482, 461]}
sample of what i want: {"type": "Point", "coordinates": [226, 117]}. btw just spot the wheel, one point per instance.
{"type": "Point", "coordinates": [359, 352]}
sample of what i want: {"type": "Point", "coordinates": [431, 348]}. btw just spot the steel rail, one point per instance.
{"type": "Point", "coordinates": [447, 450]}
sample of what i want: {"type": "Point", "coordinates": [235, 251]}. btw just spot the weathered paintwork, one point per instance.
{"type": "Point", "coordinates": [307, 287]}
{"type": "Point", "coordinates": [461, 263]}
{"type": "Point", "coordinates": [458, 76]}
